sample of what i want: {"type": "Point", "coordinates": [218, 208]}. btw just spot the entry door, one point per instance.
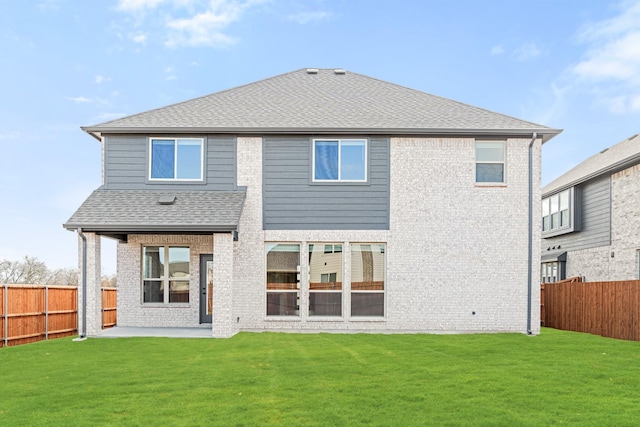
{"type": "Point", "coordinates": [206, 288]}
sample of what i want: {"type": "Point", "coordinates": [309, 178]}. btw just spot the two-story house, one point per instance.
{"type": "Point", "coordinates": [317, 200]}
{"type": "Point", "coordinates": [591, 218]}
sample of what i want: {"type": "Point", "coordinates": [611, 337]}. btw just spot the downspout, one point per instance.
{"type": "Point", "coordinates": [530, 254]}
{"type": "Point", "coordinates": [83, 333]}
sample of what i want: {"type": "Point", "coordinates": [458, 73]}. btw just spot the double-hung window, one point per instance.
{"type": "Point", "coordinates": [339, 160]}
{"type": "Point", "coordinates": [165, 274]}
{"type": "Point", "coordinates": [176, 159]}
{"type": "Point", "coordinates": [490, 160]}
{"type": "Point", "coordinates": [325, 279]}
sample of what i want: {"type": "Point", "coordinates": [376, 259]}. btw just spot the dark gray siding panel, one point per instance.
{"type": "Point", "coordinates": [126, 164]}
{"type": "Point", "coordinates": [291, 202]}
{"type": "Point", "coordinates": [595, 211]}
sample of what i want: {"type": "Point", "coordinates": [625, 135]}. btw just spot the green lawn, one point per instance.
{"type": "Point", "coordinates": [557, 378]}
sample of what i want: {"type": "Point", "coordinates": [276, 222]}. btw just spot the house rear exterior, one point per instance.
{"type": "Point", "coordinates": [318, 200]}
{"type": "Point", "coordinates": [591, 218]}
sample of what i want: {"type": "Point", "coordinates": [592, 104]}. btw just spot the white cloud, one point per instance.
{"type": "Point", "coordinates": [611, 64]}
{"type": "Point", "coordinates": [10, 135]}
{"type": "Point", "coordinates": [305, 17]}
{"type": "Point", "coordinates": [139, 38]}
{"type": "Point", "coordinates": [136, 5]}
{"type": "Point", "coordinates": [527, 51]}
{"type": "Point", "coordinates": [497, 50]}
{"type": "Point", "coordinates": [85, 100]}
{"type": "Point", "coordinates": [100, 79]}
{"type": "Point", "coordinates": [79, 99]}
{"type": "Point", "coordinates": [205, 29]}
{"type": "Point", "coordinates": [185, 22]}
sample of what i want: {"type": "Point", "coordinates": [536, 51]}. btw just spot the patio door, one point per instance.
{"type": "Point", "coordinates": [206, 288]}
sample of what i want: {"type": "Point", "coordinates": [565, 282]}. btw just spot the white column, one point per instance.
{"type": "Point", "coordinates": [94, 279]}
{"type": "Point", "coordinates": [223, 324]}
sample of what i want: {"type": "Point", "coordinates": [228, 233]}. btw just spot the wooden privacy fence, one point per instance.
{"type": "Point", "coordinates": [109, 313]}
{"type": "Point", "coordinates": [610, 309]}
{"type": "Point", "coordinates": [30, 313]}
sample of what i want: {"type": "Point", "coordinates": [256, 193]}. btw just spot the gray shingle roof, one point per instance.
{"type": "Point", "coordinates": [324, 101]}
{"type": "Point", "coordinates": [622, 155]}
{"type": "Point", "coordinates": [130, 211]}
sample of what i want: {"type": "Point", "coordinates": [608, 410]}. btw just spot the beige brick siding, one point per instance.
{"type": "Point", "coordinates": [131, 310]}
{"type": "Point", "coordinates": [456, 251]}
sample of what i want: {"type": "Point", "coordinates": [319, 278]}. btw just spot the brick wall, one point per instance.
{"type": "Point", "coordinates": [131, 311]}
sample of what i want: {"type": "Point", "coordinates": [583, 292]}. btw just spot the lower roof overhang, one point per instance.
{"type": "Point", "coordinates": [118, 213]}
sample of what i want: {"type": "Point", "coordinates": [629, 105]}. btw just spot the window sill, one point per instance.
{"type": "Point", "coordinates": [490, 185]}
{"type": "Point", "coordinates": [325, 319]}
{"type": "Point", "coordinates": [163, 305]}
{"type": "Point", "coordinates": [282, 319]}
{"type": "Point", "coordinates": [367, 319]}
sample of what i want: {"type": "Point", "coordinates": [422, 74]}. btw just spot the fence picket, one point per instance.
{"type": "Point", "coordinates": [30, 313]}
{"type": "Point", "coordinates": [610, 309]}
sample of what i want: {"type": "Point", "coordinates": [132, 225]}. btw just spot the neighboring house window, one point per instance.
{"type": "Point", "coordinates": [557, 211]}
{"type": "Point", "coordinates": [325, 279]}
{"type": "Point", "coordinates": [283, 279]}
{"type": "Point", "coordinates": [165, 274]}
{"type": "Point", "coordinates": [549, 272]}
{"type": "Point", "coordinates": [490, 161]}
{"type": "Point", "coordinates": [368, 275]}
{"type": "Point", "coordinates": [340, 160]}
{"type": "Point", "coordinates": [177, 159]}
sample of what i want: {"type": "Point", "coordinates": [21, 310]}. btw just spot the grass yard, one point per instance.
{"type": "Point", "coordinates": [557, 378]}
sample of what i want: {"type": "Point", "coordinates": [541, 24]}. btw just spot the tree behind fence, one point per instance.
{"type": "Point", "coordinates": [610, 309]}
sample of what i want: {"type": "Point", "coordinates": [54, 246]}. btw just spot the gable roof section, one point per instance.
{"type": "Point", "coordinates": [140, 211]}
{"type": "Point", "coordinates": [322, 101]}
{"type": "Point", "coordinates": [610, 160]}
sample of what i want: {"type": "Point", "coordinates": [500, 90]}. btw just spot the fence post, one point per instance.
{"type": "Point", "coordinates": [101, 308]}
{"type": "Point", "coordinates": [6, 315]}
{"type": "Point", "coordinates": [46, 312]}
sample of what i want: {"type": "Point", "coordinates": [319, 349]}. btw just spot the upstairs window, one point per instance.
{"type": "Point", "coordinates": [176, 159]}
{"type": "Point", "coordinates": [340, 160]}
{"type": "Point", "coordinates": [557, 212]}
{"type": "Point", "coordinates": [490, 162]}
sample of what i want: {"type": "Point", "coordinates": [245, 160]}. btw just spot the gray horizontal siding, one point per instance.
{"type": "Point", "coordinates": [126, 164]}
{"type": "Point", "coordinates": [595, 211]}
{"type": "Point", "coordinates": [292, 202]}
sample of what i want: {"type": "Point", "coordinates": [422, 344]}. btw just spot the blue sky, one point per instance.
{"type": "Point", "coordinates": [571, 64]}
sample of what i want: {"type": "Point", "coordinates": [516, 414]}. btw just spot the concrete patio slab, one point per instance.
{"type": "Point", "coordinates": [128, 332]}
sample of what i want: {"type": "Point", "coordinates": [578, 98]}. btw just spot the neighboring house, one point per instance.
{"type": "Point", "coordinates": [318, 200]}
{"type": "Point", "coordinates": [591, 218]}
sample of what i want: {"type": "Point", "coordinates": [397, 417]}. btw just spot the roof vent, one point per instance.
{"type": "Point", "coordinates": [312, 71]}
{"type": "Point", "coordinates": [167, 200]}
{"type": "Point", "coordinates": [605, 150]}
{"type": "Point", "coordinates": [340, 71]}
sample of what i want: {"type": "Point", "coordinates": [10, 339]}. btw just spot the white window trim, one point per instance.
{"type": "Point", "coordinates": [503, 163]}
{"type": "Point", "coordinates": [298, 290]}
{"type": "Point", "coordinates": [175, 154]}
{"type": "Point", "coordinates": [342, 292]}
{"type": "Point", "coordinates": [164, 279]}
{"type": "Point", "coordinates": [571, 226]}
{"type": "Point", "coordinates": [340, 141]}
{"type": "Point", "coordinates": [346, 291]}
{"type": "Point", "coordinates": [383, 291]}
